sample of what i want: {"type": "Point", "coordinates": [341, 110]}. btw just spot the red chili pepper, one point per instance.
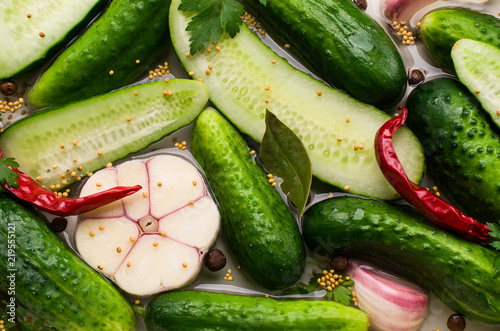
{"type": "Point", "coordinates": [46, 200]}
{"type": "Point", "coordinates": [438, 211]}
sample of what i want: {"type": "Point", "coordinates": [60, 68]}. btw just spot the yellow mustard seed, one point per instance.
{"type": "Point", "coordinates": [111, 72]}
{"type": "Point", "coordinates": [184, 264]}
{"type": "Point", "coordinates": [92, 233]}
{"type": "Point", "coordinates": [41, 34]}
{"type": "Point", "coordinates": [129, 264]}
{"type": "Point", "coordinates": [119, 249]}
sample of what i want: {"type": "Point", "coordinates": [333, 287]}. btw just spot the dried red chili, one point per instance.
{"type": "Point", "coordinates": [438, 211]}
{"type": "Point", "coordinates": [46, 200]}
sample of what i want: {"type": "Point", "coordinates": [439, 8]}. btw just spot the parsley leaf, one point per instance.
{"type": "Point", "coordinates": [8, 175]}
{"type": "Point", "coordinates": [342, 295]}
{"type": "Point", "coordinates": [214, 17]}
{"type": "Point", "coordinates": [264, 2]}
{"type": "Point", "coordinates": [495, 233]}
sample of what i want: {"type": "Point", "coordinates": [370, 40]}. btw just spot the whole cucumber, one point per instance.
{"type": "Point", "coordinates": [44, 276]}
{"type": "Point", "coordinates": [340, 43]}
{"type": "Point", "coordinates": [116, 49]}
{"type": "Point", "coordinates": [260, 229]}
{"type": "Point", "coordinates": [461, 145]}
{"type": "Point", "coordinates": [192, 310]}
{"type": "Point", "coordinates": [441, 29]}
{"type": "Point", "coordinates": [458, 272]}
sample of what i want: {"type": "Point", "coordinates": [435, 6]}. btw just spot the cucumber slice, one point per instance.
{"type": "Point", "coordinates": [23, 22]}
{"type": "Point", "coordinates": [246, 74]}
{"type": "Point", "coordinates": [51, 145]}
{"type": "Point", "coordinates": [478, 67]}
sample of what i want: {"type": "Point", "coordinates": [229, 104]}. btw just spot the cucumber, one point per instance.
{"type": "Point", "coordinates": [459, 272]}
{"type": "Point", "coordinates": [21, 22]}
{"type": "Point", "coordinates": [340, 43]}
{"type": "Point", "coordinates": [441, 29]}
{"type": "Point", "coordinates": [477, 65]}
{"type": "Point", "coordinates": [100, 124]}
{"type": "Point", "coordinates": [462, 146]}
{"type": "Point", "coordinates": [44, 276]}
{"type": "Point", "coordinates": [330, 125]}
{"type": "Point", "coordinates": [259, 228]}
{"type": "Point", "coordinates": [104, 57]}
{"type": "Point", "coordinates": [193, 310]}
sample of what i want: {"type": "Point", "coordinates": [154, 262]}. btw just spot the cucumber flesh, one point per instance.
{"type": "Point", "coordinates": [115, 124]}
{"type": "Point", "coordinates": [477, 65]}
{"type": "Point", "coordinates": [244, 77]}
{"type": "Point", "coordinates": [22, 21]}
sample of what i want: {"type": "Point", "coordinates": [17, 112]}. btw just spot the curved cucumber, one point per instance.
{"type": "Point", "coordinates": [24, 22]}
{"type": "Point", "coordinates": [260, 230]}
{"type": "Point", "coordinates": [191, 310]}
{"type": "Point", "coordinates": [105, 57]}
{"type": "Point", "coordinates": [441, 29]}
{"type": "Point", "coordinates": [65, 141]}
{"type": "Point", "coordinates": [50, 280]}
{"type": "Point", "coordinates": [462, 146]}
{"type": "Point", "coordinates": [477, 65]}
{"type": "Point", "coordinates": [341, 43]}
{"type": "Point", "coordinates": [459, 272]}
{"type": "Point", "coordinates": [247, 77]}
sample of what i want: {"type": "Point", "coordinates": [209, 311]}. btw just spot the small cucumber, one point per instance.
{"type": "Point", "coordinates": [192, 310]}
{"type": "Point", "coordinates": [341, 43]}
{"type": "Point", "coordinates": [441, 29]}
{"type": "Point", "coordinates": [44, 276]}
{"type": "Point", "coordinates": [459, 272]}
{"type": "Point", "coordinates": [118, 47]}
{"type": "Point", "coordinates": [77, 139]}
{"type": "Point", "coordinates": [461, 144]}
{"type": "Point", "coordinates": [477, 65]}
{"type": "Point", "coordinates": [260, 230]}
{"type": "Point", "coordinates": [338, 131]}
{"type": "Point", "coordinates": [33, 30]}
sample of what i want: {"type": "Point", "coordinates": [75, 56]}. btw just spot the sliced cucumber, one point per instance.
{"type": "Point", "coordinates": [51, 145]}
{"type": "Point", "coordinates": [478, 67]}
{"type": "Point", "coordinates": [246, 73]}
{"type": "Point", "coordinates": [24, 22]}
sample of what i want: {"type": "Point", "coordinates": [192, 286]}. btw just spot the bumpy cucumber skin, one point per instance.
{"type": "Point", "coordinates": [51, 281]}
{"type": "Point", "coordinates": [441, 29]}
{"type": "Point", "coordinates": [260, 230]}
{"type": "Point", "coordinates": [192, 310]}
{"type": "Point", "coordinates": [341, 43]}
{"type": "Point", "coordinates": [10, 70]}
{"type": "Point", "coordinates": [458, 272]}
{"type": "Point", "coordinates": [461, 145]}
{"type": "Point", "coordinates": [126, 32]}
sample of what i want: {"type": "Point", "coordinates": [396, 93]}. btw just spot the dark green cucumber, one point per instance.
{"type": "Point", "coordinates": [461, 144]}
{"type": "Point", "coordinates": [260, 230]}
{"type": "Point", "coordinates": [44, 276]}
{"type": "Point", "coordinates": [340, 43]}
{"type": "Point", "coordinates": [192, 310]}
{"type": "Point", "coordinates": [104, 57]}
{"type": "Point", "coordinates": [441, 29]}
{"type": "Point", "coordinates": [459, 272]}
{"type": "Point", "coordinates": [116, 123]}
{"type": "Point", "coordinates": [23, 23]}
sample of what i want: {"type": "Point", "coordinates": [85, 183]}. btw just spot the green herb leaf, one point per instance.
{"type": "Point", "coordinates": [342, 295]}
{"type": "Point", "coordinates": [495, 244]}
{"type": "Point", "coordinates": [214, 17]}
{"type": "Point", "coordinates": [264, 2]}
{"type": "Point", "coordinates": [8, 175]}
{"type": "Point", "coordinates": [495, 230]}
{"type": "Point", "coordinates": [284, 155]}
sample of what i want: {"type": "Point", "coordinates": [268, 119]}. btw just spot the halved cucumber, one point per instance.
{"type": "Point", "coordinates": [338, 131]}
{"type": "Point", "coordinates": [32, 30]}
{"type": "Point", "coordinates": [478, 67]}
{"type": "Point", "coordinates": [58, 145]}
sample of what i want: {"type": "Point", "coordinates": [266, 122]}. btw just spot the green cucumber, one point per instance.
{"type": "Point", "coordinates": [341, 43]}
{"type": "Point", "coordinates": [260, 229]}
{"type": "Point", "coordinates": [246, 73]}
{"type": "Point", "coordinates": [441, 29]}
{"type": "Point", "coordinates": [24, 22]}
{"type": "Point", "coordinates": [193, 310]}
{"type": "Point", "coordinates": [43, 275]}
{"type": "Point", "coordinates": [461, 144]}
{"type": "Point", "coordinates": [117, 124]}
{"type": "Point", "coordinates": [104, 57]}
{"type": "Point", "coordinates": [477, 65]}
{"type": "Point", "coordinates": [459, 272]}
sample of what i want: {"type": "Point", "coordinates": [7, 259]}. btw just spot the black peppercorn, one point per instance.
{"type": "Point", "coordinates": [339, 263]}
{"type": "Point", "coordinates": [8, 87]}
{"type": "Point", "coordinates": [215, 260]}
{"type": "Point", "coordinates": [362, 4]}
{"type": "Point", "coordinates": [416, 77]}
{"type": "Point", "coordinates": [456, 322]}
{"type": "Point", "coordinates": [59, 224]}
